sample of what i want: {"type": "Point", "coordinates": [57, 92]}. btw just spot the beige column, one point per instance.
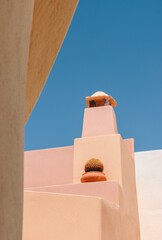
{"type": "Point", "coordinates": [15, 25]}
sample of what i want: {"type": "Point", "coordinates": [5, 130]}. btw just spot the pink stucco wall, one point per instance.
{"type": "Point", "coordinates": [99, 121]}
{"type": "Point", "coordinates": [107, 190]}
{"type": "Point", "coordinates": [58, 206]}
{"type": "Point", "coordinates": [48, 167]}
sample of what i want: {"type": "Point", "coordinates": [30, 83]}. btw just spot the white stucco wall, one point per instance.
{"type": "Point", "coordinates": [149, 189]}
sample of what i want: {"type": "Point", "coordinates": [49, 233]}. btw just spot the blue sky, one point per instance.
{"type": "Point", "coordinates": [113, 46]}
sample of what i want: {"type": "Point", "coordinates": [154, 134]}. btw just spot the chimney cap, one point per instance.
{"type": "Point", "coordinates": [99, 96]}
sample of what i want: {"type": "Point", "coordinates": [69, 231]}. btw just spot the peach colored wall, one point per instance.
{"type": "Point", "coordinates": [48, 167]}
{"type": "Point", "coordinates": [148, 177]}
{"type": "Point", "coordinates": [99, 121]}
{"type": "Point", "coordinates": [106, 190]}
{"type": "Point", "coordinates": [38, 173]}
{"type": "Point", "coordinates": [128, 201]}
{"type": "Point", "coordinates": [61, 217]}
{"type": "Point", "coordinates": [119, 166]}
{"type": "Point", "coordinates": [48, 209]}
{"type": "Point", "coordinates": [116, 213]}
{"type": "Point", "coordinates": [111, 222]}
{"type": "Point", "coordinates": [129, 144]}
{"type": "Point", "coordinates": [106, 148]}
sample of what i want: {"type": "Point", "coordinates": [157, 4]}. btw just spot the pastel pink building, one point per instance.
{"type": "Point", "coordinates": [58, 206]}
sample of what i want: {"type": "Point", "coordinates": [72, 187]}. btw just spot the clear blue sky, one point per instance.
{"type": "Point", "coordinates": [113, 46]}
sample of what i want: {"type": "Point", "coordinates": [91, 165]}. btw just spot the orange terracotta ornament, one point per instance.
{"type": "Point", "coordinates": [93, 171]}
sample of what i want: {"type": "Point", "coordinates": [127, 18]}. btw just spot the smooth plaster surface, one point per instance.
{"type": "Point", "coordinates": [51, 20]}
{"type": "Point", "coordinates": [148, 167]}
{"type": "Point", "coordinates": [48, 167]}
{"type": "Point", "coordinates": [107, 190]}
{"type": "Point", "coordinates": [99, 121]}
{"type": "Point", "coordinates": [149, 188]}
{"type": "Point", "coordinates": [147, 172]}
{"type": "Point", "coordinates": [47, 209]}
{"type": "Point", "coordinates": [118, 198]}
{"type": "Point", "coordinates": [60, 216]}
{"type": "Point", "coordinates": [57, 216]}
{"type": "Point", "coordinates": [15, 26]}
{"type": "Point", "coordinates": [122, 217]}
{"type": "Point", "coordinates": [106, 148]}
